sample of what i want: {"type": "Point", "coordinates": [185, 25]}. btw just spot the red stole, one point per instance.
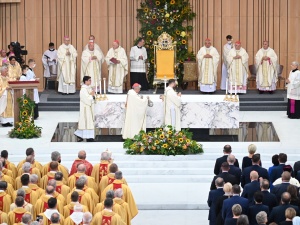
{"type": "Point", "coordinates": [103, 168]}
{"type": "Point", "coordinates": [110, 180]}
{"type": "Point", "coordinates": [116, 186]}
{"type": "Point", "coordinates": [18, 217]}
{"type": "Point", "coordinates": [106, 220]}
{"type": "Point", "coordinates": [45, 206]}
{"type": "Point", "coordinates": [58, 188]}
{"type": "Point", "coordinates": [27, 197]}
{"type": "Point", "coordinates": [1, 202]}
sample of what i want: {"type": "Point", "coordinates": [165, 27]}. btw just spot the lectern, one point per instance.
{"type": "Point", "coordinates": [18, 87]}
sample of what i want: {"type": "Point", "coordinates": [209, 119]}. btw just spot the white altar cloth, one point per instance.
{"type": "Point", "coordinates": [197, 111]}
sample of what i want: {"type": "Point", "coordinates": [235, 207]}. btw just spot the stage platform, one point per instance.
{"type": "Point", "coordinates": [50, 100]}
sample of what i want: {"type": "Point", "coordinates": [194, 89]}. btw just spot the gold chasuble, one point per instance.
{"type": "Point", "coordinates": [15, 216]}
{"type": "Point", "coordinates": [116, 208]}
{"type": "Point", "coordinates": [107, 218]}
{"type": "Point", "coordinates": [69, 209]}
{"type": "Point", "coordinates": [5, 202]}
{"type": "Point", "coordinates": [6, 98]}
{"type": "Point", "coordinates": [100, 170]}
{"type": "Point", "coordinates": [107, 180]}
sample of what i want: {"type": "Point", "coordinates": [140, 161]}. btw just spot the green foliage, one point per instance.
{"type": "Point", "coordinates": [25, 129]}
{"type": "Point", "coordinates": [171, 16]}
{"type": "Point", "coordinates": [163, 141]}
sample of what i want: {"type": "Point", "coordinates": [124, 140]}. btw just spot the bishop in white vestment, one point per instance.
{"type": "Point", "coordinates": [135, 118]}
{"type": "Point", "coordinates": [96, 46]}
{"type": "Point", "coordinates": [86, 127]}
{"type": "Point", "coordinates": [208, 60]}
{"type": "Point", "coordinates": [227, 47]}
{"type": "Point", "coordinates": [91, 62]}
{"type": "Point", "coordinates": [66, 75]}
{"type": "Point", "coordinates": [172, 106]}
{"type": "Point", "coordinates": [49, 60]}
{"type": "Point", "coordinates": [266, 67]}
{"type": "Point", "coordinates": [117, 63]}
{"type": "Point", "coordinates": [138, 57]}
{"type": "Point", "coordinates": [238, 69]}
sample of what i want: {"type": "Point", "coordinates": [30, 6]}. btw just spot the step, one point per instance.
{"type": "Point", "coordinates": [263, 108]}
{"type": "Point", "coordinates": [58, 104]}
{"type": "Point", "coordinates": [59, 108]}
{"type": "Point", "coordinates": [63, 98]}
{"type": "Point", "coordinates": [263, 103]}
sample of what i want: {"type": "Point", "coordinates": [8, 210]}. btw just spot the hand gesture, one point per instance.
{"type": "Point", "coordinates": [92, 93]}
{"type": "Point", "coordinates": [94, 57]}
{"type": "Point", "coordinates": [179, 94]}
{"type": "Point", "coordinates": [141, 57]}
{"type": "Point", "coordinates": [287, 81]}
{"type": "Point", "coordinates": [68, 53]}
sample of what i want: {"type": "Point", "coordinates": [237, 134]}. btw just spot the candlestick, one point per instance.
{"type": "Point", "coordinates": [100, 87]}
{"type": "Point", "coordinates": [104, 90]}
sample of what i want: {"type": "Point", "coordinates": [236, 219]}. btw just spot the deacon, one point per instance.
{"type": "Point", "coordinates": [86, 128]}
{"type": "Point", "coordinates": [66, 76]}
{"type": "Point", "coordinates": [237, 69]}
{"type": "Point", "coordinates": [138, 57]}
{"type": "Point", "coordinates": [117, 63]}
{"type": "Point", "coordinates": [14, 69]}
{"type": "Point", "coordinates": [91, 61]}
{"type": "Point", "coordinates": [49, 60]}
{"type": "Point", "coordinates": [172, 106]}
{"type": "Point", "coordinates": [208, 60]}
{"type": "Point", "coordinates": [293, 92]}
{"type": "Point", "coordinates": [135, 117]}
{"type": "Point", "coordinates": [227, 47]}
{"type": "Point", "coordinates": [97, 47]}
{"type": "Point", "coordinates": [6, 99]}
{"type": "Point", "coordinates": [266, 64]}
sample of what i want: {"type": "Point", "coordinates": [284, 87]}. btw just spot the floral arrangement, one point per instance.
{"type": "Point", "coordinates": [163, 141]}
{"type": "Point", "coordinates": [25, 129]}
{"type": "Point", "coordinates": [171, 16]}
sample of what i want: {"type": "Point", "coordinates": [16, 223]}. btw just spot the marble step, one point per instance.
{"type": "Point", "coordinates": [265, 103]}
{"type": "Point", "coordinates": [263, 108]}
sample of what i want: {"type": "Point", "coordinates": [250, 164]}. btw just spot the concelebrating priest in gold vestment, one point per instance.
{"type": "Point", "coordinates": [135, 117]}
{"type": "Point", "coordinates": [172, 106]}
{"type": "Point", "coordinates": [91, 61]}
{"type": "Point", "coordinates": [117, 63]}
{"type": "Point", "coordinates": [266, 66]}
{"type": "Point", "coordinates": [66, 75]}
{"type": "Point", "coordinates": [208, 60]}
{"type": "Point", "coordinates": [237, 69]}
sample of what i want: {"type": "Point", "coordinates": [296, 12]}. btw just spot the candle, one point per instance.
{"type": "Point", "coordinates": [226, 86]}
{"type": "Point", "coordinates": [231, 88]}
{"type": "Point", "coordinates": [96, 87]}
{"type": "Point", "coordinates": [104, 79]}
{"type": "Point", "coordinates": [235, 87]}
{"type": "Point", "coordinates": [100, 87]}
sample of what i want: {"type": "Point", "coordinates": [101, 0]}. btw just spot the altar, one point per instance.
{"type": "Point", "coordinates": [197, 111]}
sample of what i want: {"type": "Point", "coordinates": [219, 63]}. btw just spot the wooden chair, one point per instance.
{"type": "Point", "coordinates": [279, 74]}
{"type": "Point", "coordinates": [252, 77]}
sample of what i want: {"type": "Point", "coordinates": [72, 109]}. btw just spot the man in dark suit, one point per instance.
{"type": "Point", "coordinates": [280, 188]}
{"type": "Point", "coordinates": [262, 172]}
{"type": "Point", "coordinates": [278, 170]}
{"type": "Point", "coordinates": [262, 218]}
{"type": "Point", "coordinates": [256, 208]}
{"type": "Point", "coordinates": [252, 187]}
{"type": "Point", "coordinates": [227, 177]}
{"type": "Point", "coordinates": [213, 196]}
{"type": "Point", "coordinates": [236, 171]}
{"type": "Point", "coordinates": [227, 150]}
{"type": "Point", "coordinates": [278, 213]}
{"type": "Point", "coordinates": [269, 199]}
{"type": "Point", "coordinates": [235, 199]}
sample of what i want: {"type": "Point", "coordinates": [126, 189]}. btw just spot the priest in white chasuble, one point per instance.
{"type": "Point", "coordinates": [86, 128]}
{"type": "Point", "coordinates": [66, 74]}
{"type": "Point", "coordinates": [6, 99]}
{"type": "Point", "coordinates": [91, 61]}
{"type": "Point", "coordinates": [237, 69]}
{"type": "Point", "coordinates": [208, 60]}
{"type": "Point", "coordinates": [135, 117]}
{"type": "Point", "coordinates": [172, 106]}
{"type": "Point", "coordinates": [49, 59]}
{"type": "Point", "coordinates": [266, 64]}
{"type": "Point", "coordinates": [117, 63]}
{"type": "Point", "coordinates": [138, 57]}
{"type": "Point", "coordinates": [226, 48]}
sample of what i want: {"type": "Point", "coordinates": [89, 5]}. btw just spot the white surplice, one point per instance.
{"type": "Point", "coordinates": [138, 65]}
{"type": "Point", "coordinates": [238, 70]}
{"type": "Point", "coordinates": [48, 60]}
{"type": "Point", "coordinates": [172, 108]}
{"type": "Point", "coordinates": [208, 69]}
{"type": "Point", "coordinates": [293, 88]}
{"type": "Point", "coordinates": [135, 118]}
{"type": "Point", "coordinates": [66, 74]}
{"type": "Point", "coordinates": [91, 67]}
{"type": "Point", "coordinates": [117, 72]}
{"type": "Point", "coordinates": [86, 127]}
{"type": "Point", "coordinates": [266, 75]}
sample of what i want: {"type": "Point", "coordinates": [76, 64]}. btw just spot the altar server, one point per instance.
{"type": "Point", "coordinates": [208, 60]}
{"type": "Point", "coordinates": [227, 47]}
{"type": "Point", "coordinates": [66, 75]}
{"type": "Point", "coordinates": [6, 99]}
{"type": "Point", "coordinates": [49, 60]}
{"type": "Point", "coordinates": [293, 92]}
{"type": "Point", "coordinates": [117, 62]}
{"type": "Point", "coordinates": [135, 118]}
{"type": "Point", "coordinates": [138, 57]}
{"type": "Point", "coordinates": [266, 64]}
{"type": "Point", "coordinates": [86, 129]}
{"type": "Point", "coordinates": [237, 69]}
{"type": "Point", "coordinates": [91, 62]}
{"type": "Point", "coordinates": [172, 106]}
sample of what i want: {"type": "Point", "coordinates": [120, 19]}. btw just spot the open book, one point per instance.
{"type": "Point", "coordinates": [114, 60]}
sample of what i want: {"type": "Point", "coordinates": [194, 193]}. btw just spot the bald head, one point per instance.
{"type": "Point", "coordinates": [119, 193]}
{"type": "Point", "coordinates": [253, 175]}
{"type": "Point", "coordinates": [286, 176]}
{"type": "Point", "coordinates": [81, 168]}
{"type": "Point", "coordinates": [230, 159]}
{"type": "Point", "coordinates": [52, 183]}
{"type": "Point", "coordinates": [82, 154]}
{"type": "Point", "coordinates": [285, 198]}
{"type": "Point", "coordinates": [87, 217]}
{"type": "Point", "coordinates": [50, 190]}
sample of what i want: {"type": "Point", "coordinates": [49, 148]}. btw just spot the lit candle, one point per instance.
{"type": "Point", "coordinates": [100, 87]}
{"type": "Point", "coordinates": [104, 79]}
{"type": "Point", "coordinates": [96, 87]}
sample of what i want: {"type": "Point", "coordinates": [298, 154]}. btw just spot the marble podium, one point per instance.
{"type": "Point", "coordinates": [197, 111]}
